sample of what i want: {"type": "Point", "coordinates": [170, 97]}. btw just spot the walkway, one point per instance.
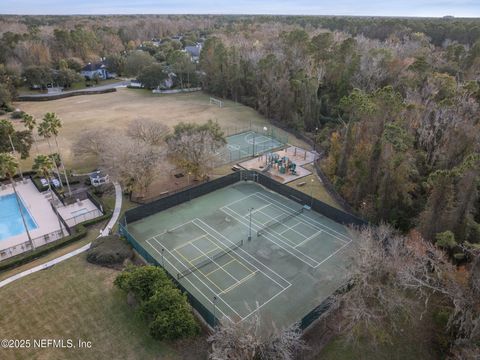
{"type": "Point", "coordinates": [104, 232]}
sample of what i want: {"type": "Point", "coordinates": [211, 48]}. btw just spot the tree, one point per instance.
{"type": "Point", "coordinates": [193, 146]}
{"type": "Point", "coordinates": [152, 76]}
{"type": "Point", "coordinates": [115, 64]}
{"type": "Point", "coordinates": [8, 168]}
{"type": "Point", "coordinates": [243, 340]}
{"type": "Point", "coordinates": [29, 122]}
{"type": "Point", "coordinates": [21, 139]}
{"type": "Point", "coordinates": [51, 125]}
{"type": "Point", "coordinates": [160, 302]}
{"type": "Point", "coordinates": [38, 76]}
{"type": "Point", "coordinates": [148, 131]}
{"type": "Point", "coordinates": [136, 61]}
{"type": "Point", "coordinates": [45, 132]}
{"type": "Point", "coordinates": [5, 96]}
{"type": "Point", "coordinates": [44, 165]}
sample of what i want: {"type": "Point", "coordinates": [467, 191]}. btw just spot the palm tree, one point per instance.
{"type": "Point", "coordinates": [44, 131]}
{"type": "Point", "coordinates": [54, 124]}
{"type": "Point", "coordinates": [7, 128]}
{"type": "Point", "coordinates": [8, 168]}
{"type": "Point", "coordinates": [44, 165]}
{"type": "Point", "coordinates": [29, 122]}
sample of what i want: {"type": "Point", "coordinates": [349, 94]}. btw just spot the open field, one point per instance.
{"type": "Point", "coordinates": [80, 303]}
{"type": "Point", "coordinates": [115, 110]}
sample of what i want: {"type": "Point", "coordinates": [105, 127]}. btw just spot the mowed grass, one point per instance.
{"type": "Point", "coordinates": [116, 110]}
{"type": "Point", "coordinates": [76, 300]}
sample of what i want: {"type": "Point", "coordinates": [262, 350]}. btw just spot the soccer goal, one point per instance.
{"type": "Point", "coordinates": [217, 102]}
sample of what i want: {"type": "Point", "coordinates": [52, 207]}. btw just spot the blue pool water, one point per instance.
{"type": "Point", "coordinates": [10, 220]}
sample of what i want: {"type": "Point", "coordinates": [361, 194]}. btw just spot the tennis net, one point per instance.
{"type": "Point", "coordinates": [278, 221]}
{"type": "Point", "coordinates": [209, 260]}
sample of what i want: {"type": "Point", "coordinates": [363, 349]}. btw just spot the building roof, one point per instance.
{"type": "Point", "coordinates": [194, 50]}
{"type": "Point", "coordinates": [93, 67]}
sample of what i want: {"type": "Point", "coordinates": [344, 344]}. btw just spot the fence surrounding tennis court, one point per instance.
{"type": "Point", "coordinates": [206, 314]}
{"type": "Point", "coordinates": [146, 210]}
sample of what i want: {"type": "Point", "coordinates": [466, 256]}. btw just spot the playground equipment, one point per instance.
{"type": "Point", "coordinates": [282, 164]}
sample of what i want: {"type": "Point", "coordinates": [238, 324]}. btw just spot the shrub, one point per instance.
{"type": "Point", "coordinates": [141, 281]}
{"type": "Point", "coordinates": [17, 114]}
{"type": "Point", "coordinates": [109, 251]}
{"type": "Point", "coordinates": [161, 303]}
{"type": "Point", "coordinates": [446, 240]}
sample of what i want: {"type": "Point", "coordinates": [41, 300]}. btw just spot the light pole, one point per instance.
{"type": "Point", "coordinates": [250, 226]}
{"type": "Point", "coordinates": [311, 192]}
{"type": "Point", "coordinates": [254, 134]}
{"type": "Point", "coordinates": [214, 310]}
{"type": "Point", "coordinates": [163, 259]}
{"type": "Point", "coordinates": [315, 139]}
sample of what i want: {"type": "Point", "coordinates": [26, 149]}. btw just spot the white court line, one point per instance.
{"type": "Point", "coordinates": [260, 194]}
{"type": "Point", "coordinates": [291, 228]}
{"type": "Point", "coordinates": [215, 270]}
{"type": "Point", "coordinates": [309, 238]}
{"type": "Point", "coordinates": [194, 274]}
{"type": "Point", "coordinates": [238, 283]}
{"type": "Point", "coordinates": [245, 197]}
{"type": "Point", "coordinates": [318, 263]}
{"type": "Point", "coordinates": [205, 296]}
{"type": "Point", "coordinates": [219, 266]}
{"type": "Point", "coordinates": [189, 242]}
{"type": "Point", "coordinates": [309, 218]}
{"type": "Point", "coordinates": [257, 210]}
{"type": "Point", "coordinates": [240, 249]}
{"type": "Point", "coordinates": [240, 219]}
{"type": "Point", "coordinates": [169, 230]}
{"type": "Point", "coordinates": [266, 302]}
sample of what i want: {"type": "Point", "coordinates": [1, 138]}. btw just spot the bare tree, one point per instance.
{"type": "Point", "coordinates": [244, 340]}
{"type": "Point", "coordinates": [193, 146]}
{"type": "Point", "coordinates": [92, 142]}
{"type": "Point", "coordinates": [148, 131]}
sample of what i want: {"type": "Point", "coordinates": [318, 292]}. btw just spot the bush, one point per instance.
{"type": "Point", "coordinates": [17, 114]}
{"type": "Point", "coordinates": [109, 251]}
{"type": "Point", "coordinates": [161, 303]}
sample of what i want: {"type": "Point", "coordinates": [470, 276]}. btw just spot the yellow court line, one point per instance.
{"type": "Point", "coordinates": [190, 242]}
{"type": "Point", "coordinates": [206, 253]}
{"type": "Point", "coordinates": [218, 268]}
{"type": "Point", "coordinates": [238, 283]}
{"type": "Point", "coordinates": [214, 284]}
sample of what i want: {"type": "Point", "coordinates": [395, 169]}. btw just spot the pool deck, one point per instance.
{"type": "Point", "coordinates": [41, 211]}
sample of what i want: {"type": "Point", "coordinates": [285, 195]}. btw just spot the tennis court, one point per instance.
{"type": "Point", "coordinates": [249, 143]}
{"type": "Point", "coordinates": [294, 260]}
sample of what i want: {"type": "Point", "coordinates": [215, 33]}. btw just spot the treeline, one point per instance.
{"type": "Point", "coordinates": [398, 119]}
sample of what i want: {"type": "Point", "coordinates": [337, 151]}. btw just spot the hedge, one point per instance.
{"type": "Point", "coordinates": [62, 95]}
{"type": "Point", "coordinates": [79, 233]}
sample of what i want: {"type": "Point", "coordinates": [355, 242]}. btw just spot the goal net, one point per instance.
{"type": "Point", "coordinates": [217, 102]}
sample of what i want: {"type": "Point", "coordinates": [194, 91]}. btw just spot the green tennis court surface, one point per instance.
{"type": "Point", "coordinates": [249, 143]}
{"type": "Point", "coordinates": [295, 259]}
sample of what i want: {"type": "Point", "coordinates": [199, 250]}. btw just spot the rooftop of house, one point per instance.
{"type": "Point", "coordinates": [93, 67]}
{"type": "Point", "coordinates": [194, 50]}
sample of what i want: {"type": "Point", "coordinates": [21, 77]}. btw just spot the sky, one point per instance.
{"type": "Point", "coordinates": [431, 8]}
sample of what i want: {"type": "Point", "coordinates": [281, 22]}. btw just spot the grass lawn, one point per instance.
{"type": "Point", "coordinates": [76, 300]}
{"type": "Point", "coordinates": [314, 187]}
{"type": "Point", "coordinates": [116, 110]}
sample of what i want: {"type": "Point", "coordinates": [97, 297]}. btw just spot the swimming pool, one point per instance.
{"type": "Point", "coordinates": [10, 220]}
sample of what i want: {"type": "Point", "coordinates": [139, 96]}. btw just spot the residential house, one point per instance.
{"type": "Point", "coordinates": [90, 71]}
{"type": "Point", "coordinates": [194, 51]}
